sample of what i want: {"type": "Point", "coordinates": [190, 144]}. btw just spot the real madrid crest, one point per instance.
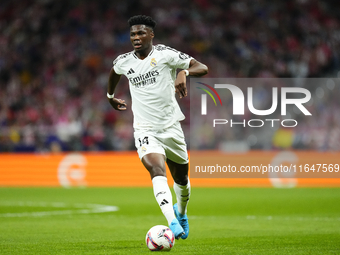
{"type": "Point", "coordinates": [153, 62]}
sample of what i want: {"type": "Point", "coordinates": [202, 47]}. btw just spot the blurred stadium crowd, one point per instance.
{"type": "Point", "coordinates": [55, 57]}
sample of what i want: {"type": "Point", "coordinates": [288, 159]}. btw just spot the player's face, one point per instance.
{"type": "Point", "coordinates": [141, 37]}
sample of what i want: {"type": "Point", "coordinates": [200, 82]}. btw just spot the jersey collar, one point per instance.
{"type": "Point", "coordinates": [134, 53]}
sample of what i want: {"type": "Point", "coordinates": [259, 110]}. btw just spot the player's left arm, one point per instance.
{"type": "Point", "coordinates": [196, 69]}
{"type": "Point", "coordinates": [116, 103]}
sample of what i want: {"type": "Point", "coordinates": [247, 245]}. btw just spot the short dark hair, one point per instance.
{"type": "Point", "coordinates": [142, 20]}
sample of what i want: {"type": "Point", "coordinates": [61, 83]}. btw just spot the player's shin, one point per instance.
{"type": "Point", "coordinates": [183, 196]}
{"type": "Point", "coordinates": [163, 196]}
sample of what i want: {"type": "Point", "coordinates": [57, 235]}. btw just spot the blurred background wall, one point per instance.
{"type": "Point", "coordinates": [55, 56]}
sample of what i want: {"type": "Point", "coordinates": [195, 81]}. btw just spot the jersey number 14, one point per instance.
{"type": "Point", "coordinates": [144, 141]}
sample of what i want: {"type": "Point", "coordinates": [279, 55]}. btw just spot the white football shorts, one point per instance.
{"type": "Point", "coordinates": [170, 142]}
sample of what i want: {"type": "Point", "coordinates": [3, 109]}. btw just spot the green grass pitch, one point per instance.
{"type": "Point", "coordinates": [222, 221]}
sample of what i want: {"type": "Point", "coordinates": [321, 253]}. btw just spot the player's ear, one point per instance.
{"type": "Point", "coordinates": [152, 33]}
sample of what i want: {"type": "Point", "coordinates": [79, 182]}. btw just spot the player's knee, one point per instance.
{"type": "Point", "coordinates": [181, 180]}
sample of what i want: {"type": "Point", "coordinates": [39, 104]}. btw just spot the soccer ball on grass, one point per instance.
{"type": "Point", "coordinates": [160, 238]}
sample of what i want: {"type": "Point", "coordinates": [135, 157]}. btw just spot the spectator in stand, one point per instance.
{"type": "Point", "coordinates": [55, 57]}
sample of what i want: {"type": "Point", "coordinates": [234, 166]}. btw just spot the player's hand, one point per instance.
{"type": "Point", "coordinates": [181, 84]}
{"type": "Point", "coordinates": [118, 104]}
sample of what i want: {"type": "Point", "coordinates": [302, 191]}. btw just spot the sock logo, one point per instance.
{"type": "Point", "coordinates": [164, 202]}
{"type": "Point", "coordinates": [160, 193]}
{"type": "Point", "coordinates": [187, 196]}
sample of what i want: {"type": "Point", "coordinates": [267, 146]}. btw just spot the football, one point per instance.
{"type": "Point", "coordinates": [160, 238]}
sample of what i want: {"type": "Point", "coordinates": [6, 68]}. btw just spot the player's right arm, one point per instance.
{"type": "Point", "coordinates": [117, 104]}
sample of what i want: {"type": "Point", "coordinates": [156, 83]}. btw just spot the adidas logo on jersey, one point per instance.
{"type": "Point", "coordinates": [130, 71]}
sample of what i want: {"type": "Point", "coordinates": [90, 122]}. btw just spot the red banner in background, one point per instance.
{"type": "Point", "coordinates": [124, 169]}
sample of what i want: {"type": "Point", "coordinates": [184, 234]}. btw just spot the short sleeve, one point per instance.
{"type": "Point", "coordinates": [178, 59]}
{"type": "Point", "coordinates": [116, 66]}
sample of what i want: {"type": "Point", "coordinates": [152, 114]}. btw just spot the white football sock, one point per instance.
{"type": "Point", "coordinates": [182, 195]}
{"type": "Point", "coordinates": [163, 196]}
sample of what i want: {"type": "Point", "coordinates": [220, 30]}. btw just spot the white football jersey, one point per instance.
{"type": "Point", "coordinates": [152, 85]}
